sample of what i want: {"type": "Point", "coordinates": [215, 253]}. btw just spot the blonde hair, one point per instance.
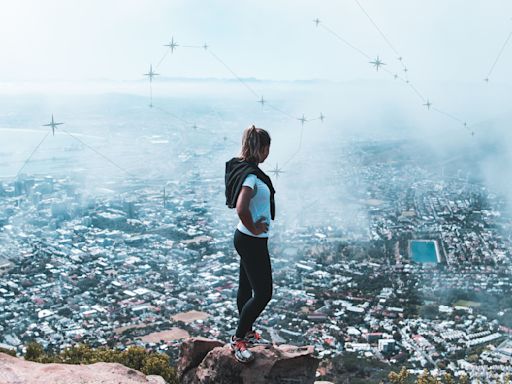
{"type": "Point", "coordinates": [253, 141]}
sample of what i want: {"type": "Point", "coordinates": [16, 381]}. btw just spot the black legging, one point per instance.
{"type": "Point", "coordinates": [255, 274]}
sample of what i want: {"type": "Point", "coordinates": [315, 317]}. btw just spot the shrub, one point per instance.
{"type": "Point", "coordinates": [135, 357]}
{"type": "Point", "coordinates": [8, 351]}
{"type": "Point", "coordinates": [34, 351]}
{"type": "Point", "coordinates": [403, 377]}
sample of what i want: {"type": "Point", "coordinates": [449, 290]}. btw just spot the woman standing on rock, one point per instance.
{"type": "Point", "coordinates": [250, 191]}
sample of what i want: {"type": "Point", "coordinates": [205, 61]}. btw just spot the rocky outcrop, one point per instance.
{"type": "Point", "coordinates": [202, 360]}
{"type": "Point", "coordinates": [208, 361]}
{"type": "Point", "coordinates": [14, 370]}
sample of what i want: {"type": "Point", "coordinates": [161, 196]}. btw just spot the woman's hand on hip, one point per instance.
{"type": "Point", "coordinates": [261, 226]}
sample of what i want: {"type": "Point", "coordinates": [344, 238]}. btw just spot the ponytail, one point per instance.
{"type": "Point", "coordinates": [253, 141]}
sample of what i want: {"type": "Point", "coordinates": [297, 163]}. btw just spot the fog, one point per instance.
{"type": "Point", "coordinates": [87, 63]}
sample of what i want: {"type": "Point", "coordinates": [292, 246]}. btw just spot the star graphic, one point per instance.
{"type": "Point", "coordinates": [276, 171]}
{"type": "Point", "coordinates": [302, 119]}
{"type": "Point", "coordinates": [52, 124]}
{"type": "Point", "coordinates": [171, 45]}
{"type": "Point", "coordinates": [377, 63]}
{"type": "Point", "coordinates": [150, 74]}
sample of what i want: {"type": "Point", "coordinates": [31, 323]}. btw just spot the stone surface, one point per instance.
{"type": "Point", "coordinates": [15, 370]}
{"type": "Point", "coordinates": [192, 352]}
{"type": "Point", "coordinates": [204, 361]}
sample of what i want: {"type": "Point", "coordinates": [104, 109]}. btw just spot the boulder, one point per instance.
{"type": "Point", "coordinates": [14, 370]}
{"type": "Point", "coordinates": [193, 351]}
{"type": "Point", "coordinates": [212, 361]}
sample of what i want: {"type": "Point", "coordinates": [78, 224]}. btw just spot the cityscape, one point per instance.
{"type": "Point", "coordinates": [419, 276]}
{"type": "Point", "coordinates": [390, 161]}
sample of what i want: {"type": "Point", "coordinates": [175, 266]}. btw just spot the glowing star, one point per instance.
{"type": "Point", "coordinates": [171, 45]}
{"type": "Point", "coordinates": [53, 124]}
{"type": "Point", "coordinates": [427, 104]}
{"type": "Point", "coordinates": [322, 117]}
{"type": "Point", "coordinates": [377, 63]}
{"type": "Point", "coordinates": [262, 101]}
{"type": "Point", "coordinates": [150, 74]}
{"type": "Point", "coordinates": [316, 21]}
{"type": "Point", "coordinates": [276, 171]}
{"type": "Point", "coordinates": [302, 119]}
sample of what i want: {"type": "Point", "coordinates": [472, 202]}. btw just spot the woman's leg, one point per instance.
{"type": "Point", "coordinates": [244, 289]}
{"type": "Point", "coordinates": [255, 258]}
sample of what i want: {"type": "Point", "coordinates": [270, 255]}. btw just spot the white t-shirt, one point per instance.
{"type": "Point", "coordinates": [259, 204]}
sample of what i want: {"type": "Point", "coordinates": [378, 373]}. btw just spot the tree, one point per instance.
{"type": "Point", "coordinates": [34, 351]}
{"type": "Point", "coordinates": [400, 377]}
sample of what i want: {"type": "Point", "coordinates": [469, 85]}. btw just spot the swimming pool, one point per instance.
{"type": "Point", "coordinates": [423, 251]}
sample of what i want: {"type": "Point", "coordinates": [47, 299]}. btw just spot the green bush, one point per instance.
{"type": "Point", "coordinates": [135, 357]}
{"type": "Point", "coordinates": [34, 351]}
{"type": "Point", "coordinates": [159, 365]}
{"type": "Point", "coordinates": [403, 377]}
{"type": "Point", "coordinates": [8, 351]}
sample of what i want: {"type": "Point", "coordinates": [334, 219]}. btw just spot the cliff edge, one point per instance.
{"type": "Point", "coordinates": [204, 360]}
{"type": "Point", "coordinates": [201, 361]}
{"type": "Point", "coordinates": [15, 370]}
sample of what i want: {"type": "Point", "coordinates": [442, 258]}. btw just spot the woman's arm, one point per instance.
{"type": "Point", "coordinates": [242, 208]}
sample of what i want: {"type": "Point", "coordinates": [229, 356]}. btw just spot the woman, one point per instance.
{"type": "Point", "coordinates": [250, 191]}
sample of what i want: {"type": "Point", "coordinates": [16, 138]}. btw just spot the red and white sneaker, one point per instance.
{"type": "Point", "coordinates": [240, 348]}
{"type": "Point", "coordinates": [254, 338]}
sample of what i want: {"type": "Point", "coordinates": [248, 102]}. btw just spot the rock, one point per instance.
{"type": "Point", "coordinates": [192, 352]}
{"type": "Point", "coordinates": [14, 370]}
{"type": "Point", "coordinates": [206, 361]}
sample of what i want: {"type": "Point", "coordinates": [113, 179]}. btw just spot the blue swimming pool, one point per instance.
{"type": "Point", "coordinates": [423, 251]}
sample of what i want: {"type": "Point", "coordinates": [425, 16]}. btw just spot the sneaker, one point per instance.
{"type": "Point", "coordinates": [254, 338]}
{"type": "Point", "coordinates": [239, 347]}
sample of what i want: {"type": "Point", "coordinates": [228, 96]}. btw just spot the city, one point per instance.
{"type": "Point", "coordinates": [143, 266]}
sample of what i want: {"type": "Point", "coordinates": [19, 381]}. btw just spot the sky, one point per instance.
{"type": "Point", "coordinates": [448, 47]}
{"type": "Point", "coordinates": [84, 40]}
